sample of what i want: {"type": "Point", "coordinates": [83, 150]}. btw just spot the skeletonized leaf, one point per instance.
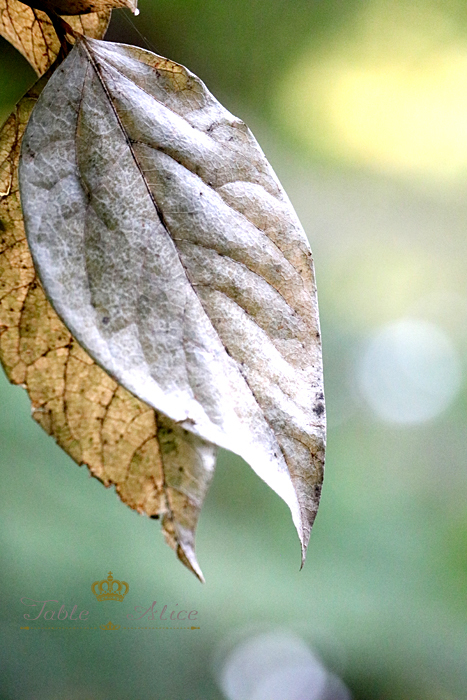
{"type": "Point", "coordinates": [168, 247]}
{"type": "Point", "coordinates": [157, 467]}
{"type": "Point", "coordinates": [32, 33]}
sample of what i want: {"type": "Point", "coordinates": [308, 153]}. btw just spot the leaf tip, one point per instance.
{"type": "Point", "coordinates": [189, 560]}
{"type": "Point", "coordinates": [303, 547]}
{"type": "Point", "coordinates": [133, 6]}
{"type": "Point", "coordinates": [304, 537]}
{"type": "Point", "coordinates": [182, 542]}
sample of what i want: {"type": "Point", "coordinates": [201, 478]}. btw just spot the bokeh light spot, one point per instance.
{"type": "Point", "coordinates": [388, 92]}
{"type": "Point", "coordinates": [410, 372]}
{"type": "Point", "coordinates": [279, 666]}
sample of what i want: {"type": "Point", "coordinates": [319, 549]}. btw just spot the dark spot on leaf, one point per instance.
{"type": "Point", "coordinates": [318, 409]}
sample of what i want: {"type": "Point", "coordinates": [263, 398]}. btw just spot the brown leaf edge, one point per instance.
{"type": "Point", "coordinates": [31, 31]}
{"type": "Point", "coordinates": [80, 7]}
{"type": "Point", "coordinates": [157, 468]}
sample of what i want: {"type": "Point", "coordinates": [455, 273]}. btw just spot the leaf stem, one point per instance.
{"type": "Point", "coordinates": [62, 29]}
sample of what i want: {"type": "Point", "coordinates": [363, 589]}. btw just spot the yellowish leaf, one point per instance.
{"type": "Point", "coordinates": [79, 7]}
{"type": "Point", "coordinates": [32, 33]}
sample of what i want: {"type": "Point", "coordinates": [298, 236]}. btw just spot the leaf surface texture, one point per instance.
{"type": "Point", "coordinates": [170, 250]}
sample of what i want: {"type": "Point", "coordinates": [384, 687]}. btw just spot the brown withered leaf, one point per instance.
{"type": "Point", "coordinates": [79, 7]}
{"type": "Point", "coordinates": [156, 466]}
{"type": "Point", "coordinates": [32, 33]}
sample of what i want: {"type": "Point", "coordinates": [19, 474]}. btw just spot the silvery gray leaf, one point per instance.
{"type": "Point", "coordinates": [168, 247]}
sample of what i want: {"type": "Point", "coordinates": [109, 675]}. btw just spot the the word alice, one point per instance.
{"type": "Point", "coordinates": [174, 615]}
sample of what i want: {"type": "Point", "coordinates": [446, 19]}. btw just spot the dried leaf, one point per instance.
{"type": "Point", "coordinates": [32, 33]}
{"type": "Point", "coordinates": [167, 245]}
{"type": "Point", "coordinates": [156, 466]}
{"type": "Point", "coordinates": [79, 7]}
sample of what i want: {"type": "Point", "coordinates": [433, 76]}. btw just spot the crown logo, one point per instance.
{"type": "Point", "coordinates": [109, 626]}
{"type": "Point", "coordinates": [110, 589]}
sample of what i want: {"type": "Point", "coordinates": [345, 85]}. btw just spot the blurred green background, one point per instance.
{"type": "Point", "coordinates": [361, 107]}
